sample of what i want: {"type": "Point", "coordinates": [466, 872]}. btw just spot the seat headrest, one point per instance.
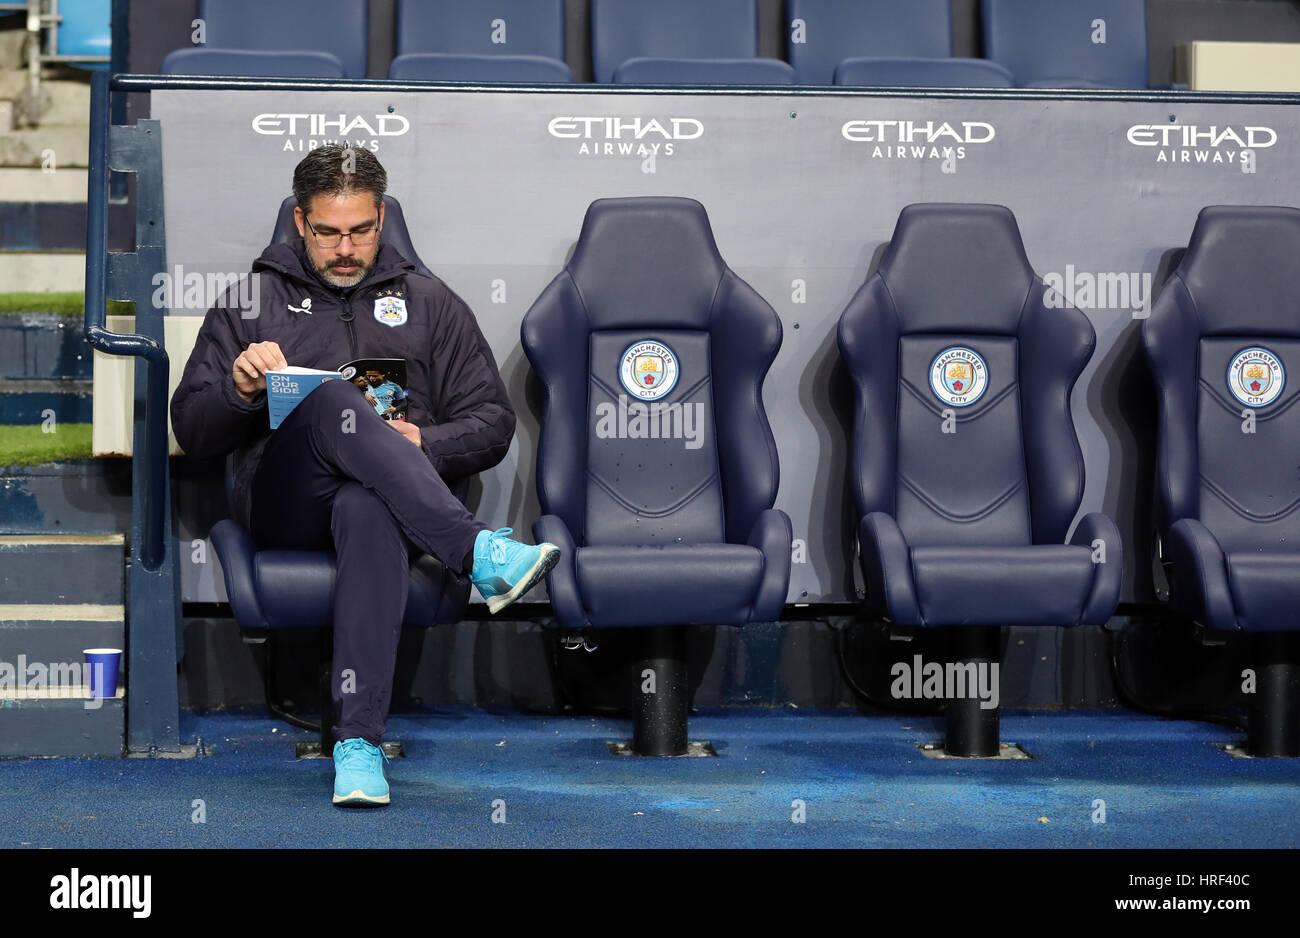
{"type": "Point", "coordinates": [1242, 269]}
{"type": "Point", "coordinates": [957, 268]}
{"type": "Point", "coordinates": [394, 232]}
{"type": "Point", "coordinates": [647, 262]}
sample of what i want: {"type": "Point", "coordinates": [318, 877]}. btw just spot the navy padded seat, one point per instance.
{"type": "Point", "coordinates": [339, 27]}
{"type": "Point", "coordinates": [202, 60]}
{"type": "Point", "coordinates": [1057, 43]}
{"type": "Point", "coordinates": [823, 33]}
{"type": "Point", "coordinates": [1223, 346]}
{"type": "Point", "coordinates": [1010, 476]}
{"type": "Point", "coordinates": [966, 468]}
{"type": "Point", "coordinates": [670, 29]}
{"type": "Point", "coordinates": [647, 71]}
{"type": "Point", "coordinates": [1227, 501]}
{"type": "Point", "coordinates": [479, 68]}
{"type": "Point", "coordinates": [472, 27]}
{"type": "Point", "coordinates": [661, 502]}
{"type": "Point", "coordinates": [922, 73]}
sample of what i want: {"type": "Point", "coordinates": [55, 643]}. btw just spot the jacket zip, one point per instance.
{"type": "Point", "coordinates": [348, 318]}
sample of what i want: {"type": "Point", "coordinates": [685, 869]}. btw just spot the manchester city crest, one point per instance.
{"type": "Point", "coordinates": [958, 376]}
{"type": "Point", "coordinates": [1256, 377]}
{"type": "Point", "coordinates": [648, 370]}
{"type": "Point", "coordinates": [390, 310]}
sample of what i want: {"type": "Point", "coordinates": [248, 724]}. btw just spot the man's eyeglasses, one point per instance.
{"type": "Point", "coordinates": [360, 237]}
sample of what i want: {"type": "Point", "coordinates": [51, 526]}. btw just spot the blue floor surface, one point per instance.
{"type": "Point", "coordinates": [860, 780]}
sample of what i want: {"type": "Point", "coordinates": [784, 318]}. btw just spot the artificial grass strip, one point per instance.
{"type": "Point", "coordinates": [29, 444]}
{"type": "Point", "coordinates": [58, 304]}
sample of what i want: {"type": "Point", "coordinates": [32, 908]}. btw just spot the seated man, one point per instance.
{"type": "Point", "coordinates": [335, 475]}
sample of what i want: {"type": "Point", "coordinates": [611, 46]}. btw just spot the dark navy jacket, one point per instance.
{"type": "Point", "coordinates": [457, 398]}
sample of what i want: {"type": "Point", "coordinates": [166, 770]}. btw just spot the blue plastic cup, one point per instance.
{"type": "Point", "coordinates": [102, 665]}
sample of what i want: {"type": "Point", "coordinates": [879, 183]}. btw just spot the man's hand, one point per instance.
{"type": "Point", "coordinates": [250, 368]}
{"type": "Point", "coordinates": [408, 430]}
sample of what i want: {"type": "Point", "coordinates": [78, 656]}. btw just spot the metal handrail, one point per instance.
{"type": "Point", "coordinates": [147, 83]}
{"type": "Point", "coordinates": [99, 336]}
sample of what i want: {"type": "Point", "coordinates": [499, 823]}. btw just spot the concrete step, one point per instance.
{"type": "Point", "coordinates": [80, 495]}
{"type": "Point", "coordinates": [23, 184]}
{"type": "Point", "coordinates": [62, 726]}
{"type": "Point", "coordinates": [43, 273]}
{"type": "Point", "coordinates": [64, 100]}
{"type": "Point", "coordinates": [60, 226]}
{"type": "Point", "coordinates": [58, 641]}
{"type": "Point", "coordinates": [34, 400]}
{"type": "Point", "coordinates": [43, 345]}
{"type": "Point", "coordinates": [56, 570]}
{"type": "Point", "coordinates": [45, 703]}
{"type": "Point", "coordinates": [57, 145]}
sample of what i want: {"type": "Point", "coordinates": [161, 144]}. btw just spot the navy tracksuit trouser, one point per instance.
{"type": "Point", "coordinates": [336, 476]}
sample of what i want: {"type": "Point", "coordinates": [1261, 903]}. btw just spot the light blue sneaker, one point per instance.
{"type": "Point", "coordinates": [505, 569]}
{"type": "Point", "coordinates": [359, 774]}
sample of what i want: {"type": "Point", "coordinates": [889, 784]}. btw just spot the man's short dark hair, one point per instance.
{"type": "Point", "coordinates": [338, 170]}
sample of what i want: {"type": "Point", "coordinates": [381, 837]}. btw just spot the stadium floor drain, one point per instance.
{"type": "Point", "coordinates": [703, 748]}
{"type": "Point", "coordinates": [1005, 751]}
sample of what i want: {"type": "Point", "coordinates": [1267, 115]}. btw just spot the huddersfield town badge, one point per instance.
{"type": "Point", "coordinates": [1256, 377]}
{"type": "Point", "coordinates": [958, 376]}
{"type": "Point", "coordinates": [390, 310]}
{"type": "Point", "coordinates": [648, 370]}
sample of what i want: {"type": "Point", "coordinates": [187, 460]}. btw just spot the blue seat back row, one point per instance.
{"type": "Point", "coordinates": [1031, 43]}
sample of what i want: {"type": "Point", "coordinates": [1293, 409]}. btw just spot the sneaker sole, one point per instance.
{"type": "Point", "coordinates": [544, 565]}
{"type": "Point", "coordinates": [359, 799]}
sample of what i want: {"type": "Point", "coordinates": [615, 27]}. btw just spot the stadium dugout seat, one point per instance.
{"type": "Point", "coordinates": [646, 71]}
{"type": "Point", "coordinates": [1219, 340]}
{"type": "Point", "coordinates": [1068, 43]}
{"type": "Point", "coordinates": [285, 28]}
{"type": "Point", "coordinates": [823, 33]}
{"type": "Point", "coordinates": [272, 590]}
{"type": "Point", "coordinates": [923, 73]}
{"type": "Point", "coordinates": [656, 467]}
{"type": "Point", "coordinates": [670, 29]}
{"type": "Point", "coordinates": [966, 469]}
{"type": "Point", "coordinates": [468, 40]}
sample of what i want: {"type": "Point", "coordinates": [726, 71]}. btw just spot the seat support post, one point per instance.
{"type": "Point", "coordinates": [659, 727]}
{"type": "Point", "coordinates": [972, 729]}
{"type": "Point", "coordinates": [1275, 715]}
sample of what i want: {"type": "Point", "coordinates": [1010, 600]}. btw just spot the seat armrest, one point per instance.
{"type": "Point", "coordinates": [887, 569]}
{"type": "Point", "coordinates": [562, 581]}
{"type": "Point", "coordinates": [772, 535]}
{"type": "Point", "coordinates": [1099, 534]}
{"type": "Point", "coordinates": [235, 549]}
{"type": "Point", "coordinates": [1199, 574]}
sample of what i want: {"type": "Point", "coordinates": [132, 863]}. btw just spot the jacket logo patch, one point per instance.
{"type": "Point", "coordinates": [305, 308]}
{"type": "Point", "coordinates": [390, 310]}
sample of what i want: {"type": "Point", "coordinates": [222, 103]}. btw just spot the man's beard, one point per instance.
{"type": "Point", "coordinates": [334, 280]}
